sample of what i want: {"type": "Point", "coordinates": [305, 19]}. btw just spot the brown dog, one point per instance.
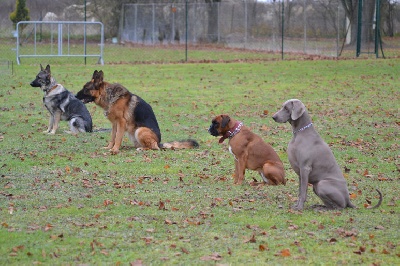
{"type": "Point", "coordinates": [128, 113]}
{"type": "Point", "coordinates": [249, 151]}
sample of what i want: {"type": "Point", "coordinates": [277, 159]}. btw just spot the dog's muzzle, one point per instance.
{"type": "Point", "coordinates": [213, 131]}
{"type": "Point", "coordinates": [35, 84]}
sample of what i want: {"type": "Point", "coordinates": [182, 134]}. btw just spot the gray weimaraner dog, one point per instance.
{"type": "Point", "coordinates": [312, 160]}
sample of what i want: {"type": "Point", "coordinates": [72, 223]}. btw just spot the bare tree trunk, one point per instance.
{"type": "Point", "coordinates": [212, 29]}
{"type": "Point", "coordinates": [367, 30]}
{"type": "Point", "coordinates": [387, 11]}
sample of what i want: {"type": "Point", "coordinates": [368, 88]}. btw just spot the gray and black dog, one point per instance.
{"type": "Point", "coordinates": [62, 104]}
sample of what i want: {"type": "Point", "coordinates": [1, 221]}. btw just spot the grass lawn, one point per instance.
{"type": "Point", "coordinates": [65, 200]}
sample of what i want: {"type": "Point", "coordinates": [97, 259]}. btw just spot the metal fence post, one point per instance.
{"type": "Point", "coordinates": [17, 48]}
{"type": "Point", "coordinates": [186, 30]}
{"type": "Point", "coordinates": [305, 26]}
{"type": "Point", "coordinates": [59, 39]}
{"type": "Point", "coordinates": [245, 23]}
{"type": "Point", "coordinates": [283, 23]}
{"type": "Point", "coordinates": [153, 25]}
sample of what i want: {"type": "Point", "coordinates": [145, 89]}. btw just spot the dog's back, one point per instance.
{"type": "Point", "coordinates": [144, 116]}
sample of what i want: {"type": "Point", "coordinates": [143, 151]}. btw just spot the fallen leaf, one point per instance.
{"type": "Point", "coordinates": [48, 227]}
{"type": "Point", "coordinates": [263, 247]}
{"type": "Point", "coordinates": [379, 227]}
{"type": "Point", "coordinates": [283, 253]}
{"type": "Point", "coordinates": [353, 196]}
{"type": "Point", "coordinates": [104, 252]}
{"type": "Point", "coordinates": [214, 256]}
{"type": "Point", "coordinates": [332, 240]}
{"type": "Point", "coordinates": [18, 248]}
{"type": "Point", "coordinates": [251, 240]}
{"type": "Point", "coordinates": [137, 262]}
{"type": "Point", "coordinates": [184, 250]}
{"type": "Point", "coordinates": [384, 251]}
{"type": "Point", "coordinates": [161, 205]}
{"type": "Point", "coordinates": [167, 221]}
{"type": "Point", "coordinates": [107, 202]}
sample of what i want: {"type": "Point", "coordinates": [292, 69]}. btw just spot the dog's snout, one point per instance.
{"type": "Point", "coordinates": [34, 84]}
{"type": "Point", "coordinates": [210, 129]}
{"type": "Point", "coordinates": [213, 131]}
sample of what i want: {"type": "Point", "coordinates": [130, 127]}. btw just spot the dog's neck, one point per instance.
{"type": "Point", "coordinates": [51, 86]}
{"type": "Point", "coordinates": [301, 124]}
{"type": "Point", "coordinates": [232, 132]}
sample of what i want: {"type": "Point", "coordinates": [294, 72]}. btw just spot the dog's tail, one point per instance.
{"type": "Point", "coordinates": [379, 202]}
{"type": "Point", "coordinates": [101, 130]}
{"type": "Point", "coordinates": [183, 144]}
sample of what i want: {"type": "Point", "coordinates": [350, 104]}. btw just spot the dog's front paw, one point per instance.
{"type": "Point", "coordinates": [51, 132]}
{"type": "Point", "coordinates": [114, 151]}
{"type": "Point", "coordinates": [109, 146]}
{"type": "Point", "coordinates": [298, 206]}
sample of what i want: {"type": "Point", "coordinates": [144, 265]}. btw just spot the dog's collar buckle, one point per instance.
{"type": "Point", "coordinates": [232, 132]}
{"type": "Point", "coordinates": [303, 128]}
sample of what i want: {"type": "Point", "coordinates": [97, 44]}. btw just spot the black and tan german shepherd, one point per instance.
{"type": "Point", "coordinates": [127, 112]}
{"type": "Point", "coordinates": [62, 104]}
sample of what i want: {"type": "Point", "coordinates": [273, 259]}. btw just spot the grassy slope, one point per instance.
{"type": "Point", "coordinates": [65, 200]}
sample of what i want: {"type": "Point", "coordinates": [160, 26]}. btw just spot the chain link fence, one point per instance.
{"type": "Point", "coordinates": [222, 31]}
{"type": "Point", "coordinates": [266, 26]}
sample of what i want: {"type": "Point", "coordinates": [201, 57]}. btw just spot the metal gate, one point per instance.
{"type": "Point", "coordinates": [60, 39]}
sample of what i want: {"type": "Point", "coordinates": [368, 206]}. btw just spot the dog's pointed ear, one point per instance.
{"type": "Point", "coordinates": [48, 69]}
{"type": "Point", "coordinates": [297, 110]}
{"type": "Point", "coordinates": [94, 74]}
{"type": "Point", "coordinates": [225, 120]}
{"type": "Point", "coordinates": [101, 75]}
{"type": "Point", "coordinates": [41, 67]}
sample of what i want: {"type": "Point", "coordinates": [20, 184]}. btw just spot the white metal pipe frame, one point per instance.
{"type": "Point", "coordinates": [58, 25]}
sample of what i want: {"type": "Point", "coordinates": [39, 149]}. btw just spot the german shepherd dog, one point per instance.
{"type": "Point", "coordinates": [127, 112]}
{"type": "Point", "coordinates": [62, 104]}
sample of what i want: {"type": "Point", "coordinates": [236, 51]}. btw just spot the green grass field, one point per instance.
{"type": "Point", "coordinates": [64, 200]}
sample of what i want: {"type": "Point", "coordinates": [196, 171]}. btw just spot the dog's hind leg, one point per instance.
{"type": "Point", "coordinates": [264, 178]}
{"type": "Point", "coordinates": [76, 125]}
{"type": "Point", "coordinates": [144, 138]}
{"type": "Point", "coordinates": [331, 195]}
{"type": "Point", "coordinates": [273, 174]}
